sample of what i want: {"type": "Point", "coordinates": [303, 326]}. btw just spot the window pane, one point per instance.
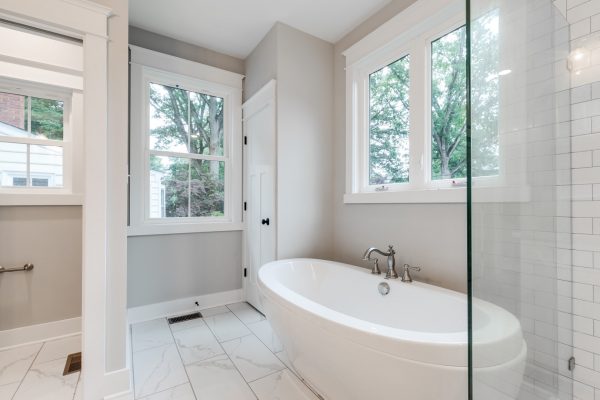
{"type": "Point", "coordinates": [169, 187]}
{"type": "Point", "coordinates": [169, 118]}
{"type": "Point", "coordinates": [207, 188]}
{"type": "Point", "coordinates": [206, 119]}
{"type": "Point", "coordinates": [448, 106]}
{"type": "Point", "coordinates": [47, 118]}
{"type": "Point", "coordinates": [46, 165]}
{"type": "Point", "coordinates": [13, 114]}
{"type": "Point", "coordinates": [13, 164]}
{"type": "Point", "coordinates": [389, 123]}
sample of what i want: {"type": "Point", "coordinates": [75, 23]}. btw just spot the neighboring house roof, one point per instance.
{"type": "Point", "coordinates": [13, 131]}
{"type": "Point", "coordinates": [9, 130]}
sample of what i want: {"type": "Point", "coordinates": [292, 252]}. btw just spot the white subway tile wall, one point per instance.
{"type": "Point", "coordinates": [584, 20]}
{"type": "Point", "coordinates": [540, 259]}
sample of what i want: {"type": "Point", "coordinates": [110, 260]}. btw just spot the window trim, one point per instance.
{"type": "Point", "coordinates": [71, 191]}
{"type": "Point", "coordinates": [410, 32]}
{"type": "Point", "coordinates": [152, 67]}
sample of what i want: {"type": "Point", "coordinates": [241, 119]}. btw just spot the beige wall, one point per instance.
{"type": "Point", "coordinates": [169, 267]}
{"type": "Point", "coordinates": [174, 47]}
{"type": "Point", "coordinates": [303, 67]}
{"type": "Point", "coordinates": [49, 238]}
{"type": "Point", "coordinates": [432, 236]}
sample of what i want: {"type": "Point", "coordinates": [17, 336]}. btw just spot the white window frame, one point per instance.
{"type": "Point", "coordinates": [153, 67]}
{"type": "Point", "coordinates": [71, 191]}
{"type": "Point", "coordinates": [410, 32]}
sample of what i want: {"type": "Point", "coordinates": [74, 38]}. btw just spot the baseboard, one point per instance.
{"type": "Point", "coordinates": [168, 308]}
{"type": "Point", "coordinates": [40, 333]}
{"type": "Point", "coordinates": [117, 385]}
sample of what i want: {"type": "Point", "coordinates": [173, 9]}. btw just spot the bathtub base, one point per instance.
{"type": "Point", "coordinates": [338, 369]}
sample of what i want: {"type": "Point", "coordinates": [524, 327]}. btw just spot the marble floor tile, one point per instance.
{"type": "Point", "coordinates": [157, 369]}
{"type": "Point", "coordinates": [209, 312]}
{"type": "Point", "coordinates": [218, 379]}
{"type": "Point", "coordinates": [15, 362]}
{"type": "Point", "coordinates": [182, 392]}
{"type": "Point", "coordinates": [282, 385]}
{"type": "Point", "coordinates": [197, 344]}
{"type": "Point", "coordinates": [282, 355]}
{"type": "Point", "coordinates": [58, 349]}
{"type": "Point", "coordinates": [7, 391]}
{"type": "Point", "coordinates": [245, 312]}
{"type": "Point", "coordinates": [149, 334]}
{"type": "Point", "coordinates": [264, 332]}
{"type": "Point", "coordinates": [78, 390]}
{"type": "Point", "coordinates": [252, 358]}
{"type": "Point", "coordinates": [46, 382]}
{"type": "Point", "coordinates": [226, 326]}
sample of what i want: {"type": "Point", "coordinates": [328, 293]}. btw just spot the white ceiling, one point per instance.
{"type": "Point", "coordinates": [235, 27]}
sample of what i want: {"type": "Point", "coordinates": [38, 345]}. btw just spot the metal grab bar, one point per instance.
{"type": "Point", "coordinates": [26, 267]}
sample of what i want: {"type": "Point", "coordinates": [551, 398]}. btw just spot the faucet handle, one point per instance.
{"type": "Point", "coordinates": [375, 270]}
{"type": "Point", "coordinates": [406, 273]}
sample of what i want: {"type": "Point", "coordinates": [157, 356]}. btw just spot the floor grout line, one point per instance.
{"type": "Point", "coordinates": [28, 369]}
{"type": "Point", "coordinates": [189, 381]}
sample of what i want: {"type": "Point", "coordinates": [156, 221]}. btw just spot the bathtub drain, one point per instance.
{"type": "Point", "coordinates": [384, 288]}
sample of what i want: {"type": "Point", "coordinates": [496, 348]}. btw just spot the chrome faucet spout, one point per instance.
{"type": "Point", "coordinates": [391, 261]}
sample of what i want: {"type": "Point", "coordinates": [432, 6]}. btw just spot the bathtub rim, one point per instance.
{"type": "Point", "coordinates": [427, 347]}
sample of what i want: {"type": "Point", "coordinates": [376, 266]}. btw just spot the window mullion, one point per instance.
{"type": "Point", "coordinates": [417, 115]}
{"type": "Point", "coordinates": [189, 138]}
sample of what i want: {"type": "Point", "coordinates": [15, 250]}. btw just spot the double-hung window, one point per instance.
{"type": "Point", "coordinates": [186, 146]}
{"type": "Point", "coordinates": [35, 140]}
{"type": "Point", "coordinates": [406, 108]}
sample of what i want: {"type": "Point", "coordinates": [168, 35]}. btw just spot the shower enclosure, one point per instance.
{"type": "Point", "coordinates": [519, 190]}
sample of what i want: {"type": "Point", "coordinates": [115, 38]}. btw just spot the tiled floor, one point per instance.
{"type": "Point", "coordinates": [35, 371]}
{"type": "Point", "coordinates": [230, 354]}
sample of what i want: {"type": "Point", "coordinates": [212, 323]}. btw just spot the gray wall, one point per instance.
{"type": "Point", "coordinates": [303, 67]}
{"type": "Point", "coordinates": [169, 267]}
{"type": "Point", "coordinates": [430, 235]}
{"type": "Point", "coordinates": [50, 238]}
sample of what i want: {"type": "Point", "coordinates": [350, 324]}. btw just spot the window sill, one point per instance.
{"type": "Point", "coordinates": [491, 194]}
{"type": "Point", "coordinates": [172, 229]}
{"type": "Point", "coordinates": [40, 199]}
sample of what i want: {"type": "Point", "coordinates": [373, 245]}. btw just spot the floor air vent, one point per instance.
{"type": "Point", "coordinates": [183, 318]}
{"type": "Point", "coordinates": [73, 363]}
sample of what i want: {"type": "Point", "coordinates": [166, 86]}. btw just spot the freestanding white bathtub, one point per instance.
{"type": "Point", "coordinates": [349, 342]}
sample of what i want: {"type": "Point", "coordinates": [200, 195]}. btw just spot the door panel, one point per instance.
{"type": "Point", "coordinates": [260, 236]}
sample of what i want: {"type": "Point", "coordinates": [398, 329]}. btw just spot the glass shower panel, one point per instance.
{"type": "Point", "coordinates": [520, 243]}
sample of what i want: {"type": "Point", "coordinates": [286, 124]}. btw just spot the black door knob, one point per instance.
{"type": "Point", "coordinates": [265, 221]}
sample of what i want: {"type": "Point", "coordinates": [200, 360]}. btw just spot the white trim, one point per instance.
{"type": "Point", "coordinates": [170, 229]}
{"type": "Point", "coordinates": [40, 332]}
{"type": "Point", "coordinates": [491, 194]}
{"type": "Point", "coordinates": [74, 18]}
{"type": "Point", "coordinates": [117, 383]}
{"type": "Point", "coordinates": [181, 306]}
{"type": "Point", "coordinates": [153, 67]}
{"type": "Point", "coordinates": [181, 66]}
{"type": "Point", "coordinates": [39, 199]}
{"type": "Point", "coordinates": [403, 27]}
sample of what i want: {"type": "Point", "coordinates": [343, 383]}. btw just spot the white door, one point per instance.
{"type": "Point", "coordinates": [260, 216]}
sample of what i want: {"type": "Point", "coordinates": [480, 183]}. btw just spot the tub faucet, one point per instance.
{"type": "Point", "coordinates": [391, 261]}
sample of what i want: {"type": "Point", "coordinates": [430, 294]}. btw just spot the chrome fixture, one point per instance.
{"type": "Point", "coordinates": [391, 261]}
{"type": "Point", "coordinates": [26, 267]}
{"type": "Point", "coordinates": [406, 273]}
{"type": "Point", "coordinates": [383, 288]}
